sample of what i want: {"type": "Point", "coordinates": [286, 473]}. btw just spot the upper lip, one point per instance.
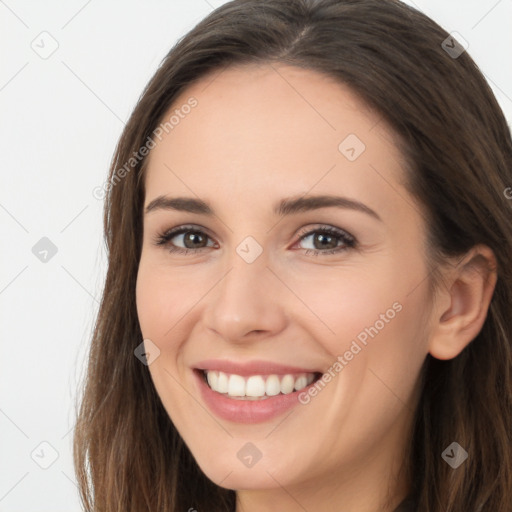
{"type": "Point", "coordinates": [254, 367]}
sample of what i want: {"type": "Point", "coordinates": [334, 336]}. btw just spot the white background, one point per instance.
{"type": "Point", "coordinates": [60, 120]}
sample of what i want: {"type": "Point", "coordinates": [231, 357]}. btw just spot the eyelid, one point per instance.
{"type": "Point", "coordinates": [348, 240]}
{"type": "Point", "coordinates": [162, 238]}
{"type": "Point", "coordinates": [325, 227]}
{"type": "Point", "coordinates": [177, 230]}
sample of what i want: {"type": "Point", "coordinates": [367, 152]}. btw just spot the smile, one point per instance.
{"type": "Point", "coordinates": [251, 398]}
{"type": "Point", "coordinates": [256, 387]}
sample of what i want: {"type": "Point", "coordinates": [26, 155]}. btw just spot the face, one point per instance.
{"type": "Point", "coordinates": [333, 287]}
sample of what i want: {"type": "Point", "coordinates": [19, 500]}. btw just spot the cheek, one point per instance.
{"type": "Point", "coordinates": [379, 335]}
{"type": "Point", "coordinates": [160, 305]}
{"type": "Point", "coordinates": [374, 314]}
{"type": "Point", "coordinates": [162, 298]}
{"type": "Point", "coordinates": [343, 302]}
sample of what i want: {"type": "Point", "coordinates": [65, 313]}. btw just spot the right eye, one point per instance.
{"type": "Point", "coordinates": [186, 239]}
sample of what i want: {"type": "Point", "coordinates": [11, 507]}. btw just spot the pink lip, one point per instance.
{"type": "Point", "coordinates": [246, 411]}
{"type": "Point", "coordinates": [256, 367]}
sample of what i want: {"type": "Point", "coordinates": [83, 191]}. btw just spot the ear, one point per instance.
{"type": "Point", "coordinates": [462, 303]}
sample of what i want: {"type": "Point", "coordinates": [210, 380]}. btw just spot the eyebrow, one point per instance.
{"type": "Point", "coordinates": [287, 206]}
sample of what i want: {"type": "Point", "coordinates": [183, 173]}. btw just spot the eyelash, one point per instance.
{"type": "Point", "coordinates": [163, 239]}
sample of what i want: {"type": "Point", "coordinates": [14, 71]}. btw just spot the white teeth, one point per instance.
{"type": "Point", "coordinates": [272, 386]}
{"type": "Point", "coordinates": [287, 384]}
{"type": "Point", "coordinates": [222, 383]}
{"type": "Point", "coordinates": [301, 383]}
{"type": "Point", "coordinates": [257, 386]}
{"type": "Point", "coordinates": [236, 386]}
{"type": "Point", "coordinates": [213, 379]}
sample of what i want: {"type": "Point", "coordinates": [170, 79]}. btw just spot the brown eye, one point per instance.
{"type": "Point", "coordinates": [193, 240]}
{"type": "Point", "coordinates": [327, 240]}
{"type": "Point", "coordinates": [184, 239]}
{"type": "Point", "coordinates": [323, 241]}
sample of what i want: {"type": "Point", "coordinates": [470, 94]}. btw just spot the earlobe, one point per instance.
{"type": "Point", "coordinates": [462, 309]}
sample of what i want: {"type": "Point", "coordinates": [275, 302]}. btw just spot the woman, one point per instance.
{"type": "Point", "coordinates": [308, 294]}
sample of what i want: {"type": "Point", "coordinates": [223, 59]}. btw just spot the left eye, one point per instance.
{"type": "Point", "coordinates": [324, 240]}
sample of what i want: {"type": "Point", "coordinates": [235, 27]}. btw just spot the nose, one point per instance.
{"type": "Point", "coordinates": [248, 302]}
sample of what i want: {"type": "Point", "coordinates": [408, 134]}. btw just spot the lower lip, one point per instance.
{"type": "Point", "coordinates": [246, 411]}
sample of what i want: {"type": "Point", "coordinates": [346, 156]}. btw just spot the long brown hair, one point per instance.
{"type": "Point", "coordinates": [128, 454]}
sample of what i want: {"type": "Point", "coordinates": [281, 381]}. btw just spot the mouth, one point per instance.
{"type": "Point", "coordinates": [256, 387]}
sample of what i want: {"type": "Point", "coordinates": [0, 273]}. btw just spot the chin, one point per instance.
{"type": "Point", "coordinates": [229, 476]}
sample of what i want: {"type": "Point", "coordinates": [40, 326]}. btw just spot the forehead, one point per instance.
{"type": "Point", "coordinates": [273, 128]}
{"type": "Point", "coordinates": [264, 99]}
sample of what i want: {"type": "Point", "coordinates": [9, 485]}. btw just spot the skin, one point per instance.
{"type": "Point", "coordinates": [257, 135]}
